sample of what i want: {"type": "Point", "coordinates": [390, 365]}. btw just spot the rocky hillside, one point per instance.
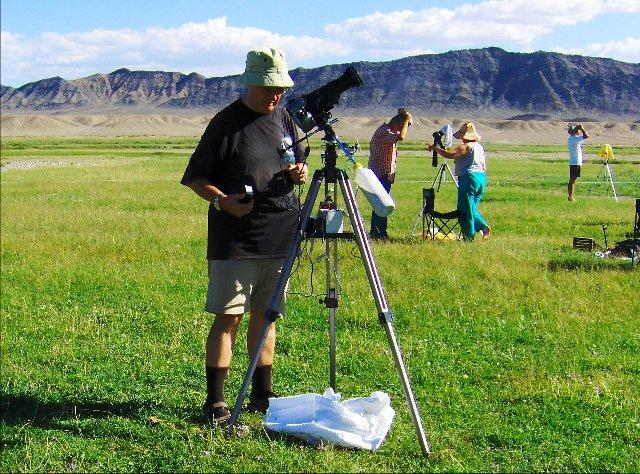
{"type": "Point", "coordinates": [483, 82]}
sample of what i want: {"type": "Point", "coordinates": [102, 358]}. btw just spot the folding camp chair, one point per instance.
{"type": "Point", "coordinates": [438, 225]}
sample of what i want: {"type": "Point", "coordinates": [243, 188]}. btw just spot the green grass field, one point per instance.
{"type": "Point", "coordinates": [524, 354]}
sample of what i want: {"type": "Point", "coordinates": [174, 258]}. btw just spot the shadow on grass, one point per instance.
{"type": "Point", "coordinates": [590, 264]}
{"type": "Point", "coordinates": [571, 259]}
{"type": "Point", "coordinates": [26, 409]}
{"type": "Point", "coordinates": [296, 442]}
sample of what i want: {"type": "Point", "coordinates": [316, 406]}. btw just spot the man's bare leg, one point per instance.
{"type": "Point", "coordinates": [571, 188]}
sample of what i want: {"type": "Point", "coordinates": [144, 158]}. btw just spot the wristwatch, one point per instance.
{"type": "Point", "coordinates": [216, 203]}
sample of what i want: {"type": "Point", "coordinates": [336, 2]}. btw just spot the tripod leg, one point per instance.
{"type": "Point", "coordinates": [433, 185]}
{"type": "Point", "coordinates": [442, 175]}
{"type": "Point", "coordinates": [613, 186]}
{"type": "Point", "coordinates": [384, 314]}
{"type": "Point", "coordinates": [332, 296]}
{"type": "Point", "coordinates": [415, 224]}
{"type": "Point", "coordinates": [272, 312]}
{"type": "Point", "coordinates": [455, 180]}
{"type": "Point", "coordinates": [331, 301]}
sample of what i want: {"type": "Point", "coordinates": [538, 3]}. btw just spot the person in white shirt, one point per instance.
{"type": "Point", "coordinates": [574, 143]}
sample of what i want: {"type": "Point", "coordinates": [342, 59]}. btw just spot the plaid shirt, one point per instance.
{"type": "Point", "coordinates": [383, 151]}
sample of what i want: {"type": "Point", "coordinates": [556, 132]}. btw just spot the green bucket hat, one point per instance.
{"type": "Point", "coordinates": [266, 67]}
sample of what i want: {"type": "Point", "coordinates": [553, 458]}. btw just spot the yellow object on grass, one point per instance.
{"type": "Point", "coordinates": [606, 152]}
{"type": "Point", "coordinates": [439, 235]}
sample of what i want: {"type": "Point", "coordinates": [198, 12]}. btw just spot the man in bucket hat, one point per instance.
{"type": "Point", "coordinates": [247, 239]}
{"type": "Point", "coordinates": [470, 168]}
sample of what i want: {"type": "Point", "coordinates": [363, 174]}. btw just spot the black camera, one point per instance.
{"type": "Point", "coordinates": [437, 141]}
{"type": "Point", "coordinates": [310, 110]}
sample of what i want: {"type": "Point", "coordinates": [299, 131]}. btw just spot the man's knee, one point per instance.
{"type": "Point", "coordinates": [226, 322]}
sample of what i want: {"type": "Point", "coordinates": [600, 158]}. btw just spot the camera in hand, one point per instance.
{"type": "Point", "coordinates": [310, 110]}
{"type": "Point", "coordinates": [442, 138]}
{"type": "Point", "coordinates": [437, 141]}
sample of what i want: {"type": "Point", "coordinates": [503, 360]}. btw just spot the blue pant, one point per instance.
{"type": "Point", "coordinates": [470, 192]}
{"type": "Point", "coordinates": [379, 224]}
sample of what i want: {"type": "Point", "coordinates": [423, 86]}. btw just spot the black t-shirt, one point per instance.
{"type": "Point", "coordinates": [240, 147]}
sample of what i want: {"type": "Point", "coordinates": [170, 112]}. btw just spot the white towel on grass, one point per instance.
{"type": "Point", "coordinates": [357, 423]}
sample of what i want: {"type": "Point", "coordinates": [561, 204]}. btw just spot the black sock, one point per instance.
{"type": "Point", "coordinates": [261, 381]}
{"type": "Point", "coordinates": [215, 383]}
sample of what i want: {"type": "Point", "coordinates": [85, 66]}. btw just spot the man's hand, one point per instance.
{"type": "Point", "coordinates": [404, 113]}
{"type": "Point", "coordinates": [297, 173]}
{"type": "Point", "coordinates": [231, 204]}
{"type": "Point", "coordinates": [580, 128]}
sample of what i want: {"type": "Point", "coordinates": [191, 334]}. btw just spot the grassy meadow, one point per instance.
{"type": "Point", "coordinates": [524, 354]}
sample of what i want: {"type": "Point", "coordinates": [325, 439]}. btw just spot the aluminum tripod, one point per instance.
{"type": "Point", "coordinates": [332, 174]}
{"type": "Point", "coordinates": [440, 175]}
{"type": "Point", "coordinates": [608, 174]}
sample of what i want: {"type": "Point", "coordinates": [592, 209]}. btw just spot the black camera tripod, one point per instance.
{"type": "Point", "coordinates": [331, 174]}
{"type": "Point", "coordinates": [440, 175]}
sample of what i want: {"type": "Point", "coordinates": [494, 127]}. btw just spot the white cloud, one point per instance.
{"type": "Point", "coordinates": [624, 50]}
{"type": "Point", "coordinates": [210, 48]}
{"type": "Point", "coordinates": [215, 48]}
{"type": "Point", "coordinates": [489, 22]}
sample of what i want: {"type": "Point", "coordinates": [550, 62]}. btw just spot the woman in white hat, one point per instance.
{"type": "Point", "coordinates": [470, 168]}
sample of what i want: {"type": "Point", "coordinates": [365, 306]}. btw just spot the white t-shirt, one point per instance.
{"type": "Point", "coordinates": [575, 150]}
{"type": "Point", "coordinates": [473, 162]}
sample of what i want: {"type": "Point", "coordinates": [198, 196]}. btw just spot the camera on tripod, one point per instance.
{"type": "Point", "coordinates": [312, 109]}
{"type": "Point", "coordinates": [437, 141]}
{"type": "Point", "coordinates": [445, 133]}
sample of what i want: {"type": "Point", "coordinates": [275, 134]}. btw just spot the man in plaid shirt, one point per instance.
{"type": "Point", "coordinates": [383, 154]}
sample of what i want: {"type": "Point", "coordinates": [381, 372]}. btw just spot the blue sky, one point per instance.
{"type": "Point", "coordinates": [73, 39]}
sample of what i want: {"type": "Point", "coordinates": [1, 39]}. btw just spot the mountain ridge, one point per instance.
{"type": "Point", "coordinates": [480, 82]}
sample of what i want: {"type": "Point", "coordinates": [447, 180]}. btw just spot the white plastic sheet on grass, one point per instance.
{"type": "Point", "coordinates": [355, 423]}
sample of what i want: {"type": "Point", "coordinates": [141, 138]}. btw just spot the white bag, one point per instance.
{"type": "Point", "coordinates": [357, 423]}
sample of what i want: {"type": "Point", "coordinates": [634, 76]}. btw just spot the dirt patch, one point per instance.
{"type": "Point", "coordinates": [538, 132]}
{"type": "Point", "coordinates": [32, 164]}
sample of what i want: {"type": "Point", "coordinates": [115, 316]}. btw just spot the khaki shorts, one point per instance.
{"type": "Point", "coordinates": [244, 285]}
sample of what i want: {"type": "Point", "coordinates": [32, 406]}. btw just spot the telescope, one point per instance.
{"type": "Point", "coordinates": [312, 109]}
